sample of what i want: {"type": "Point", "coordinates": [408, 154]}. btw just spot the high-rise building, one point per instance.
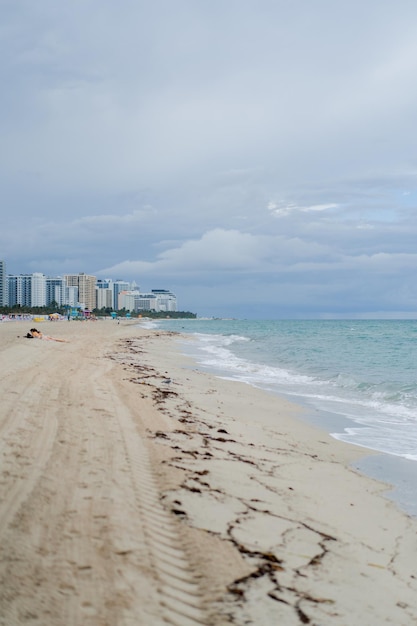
{"type": "Point", "coordinates": [118, 287]}
{"type": "Point", "coordinates": [103, 299]}
{"type": "Point", "coordinates": [167, 301]}
{"type": "Point", "coordinates": [126, 300]}
{"type": "Point", "coordinates": [27, 290]}
{"type": "Point", "coordinates": [146, 302]}
{"type": "Point", "coordinates": [86, 289]}
{"type": "Point", "coordinates": [38, 291]}
{"type": "Point", "coordinates": [55, 290]}
{"type": "Point", "coordinates": [71, 296]}
{"type": "Point", "coordinates": [159, 300]}
{"type": "Point", "coordinates": [4, 300]}
{"type": "Point", "coordinates": [18, 289]}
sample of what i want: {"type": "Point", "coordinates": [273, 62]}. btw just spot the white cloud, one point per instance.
{"type": "Point", "coordinates": [281, 209]}
{"type": "Point", "coordinates": [136, 216]}
{"type": "Point", "coordinates": [217, 250]}
{"type": "Point", "coordinates": [230, 252]}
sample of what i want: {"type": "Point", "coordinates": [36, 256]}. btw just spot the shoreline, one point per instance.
{"type": "Point", "coordinates": [397, 472]}
{"type": "Point", "coordinates": [137, 489]}
{"type": "Point", "coordinates": [321, 460]}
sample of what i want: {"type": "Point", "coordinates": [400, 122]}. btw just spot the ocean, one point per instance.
{"type": "Point", "coordinates": [356, 379]}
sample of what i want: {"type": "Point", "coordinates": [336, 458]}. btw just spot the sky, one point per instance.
{"type": "Point", "coordinates": [256, 157]}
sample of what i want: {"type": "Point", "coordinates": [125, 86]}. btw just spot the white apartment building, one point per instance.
{"type": "Point", "coordinates": [38, 292]}
{"type": "Point", "coordinates": [107, 285]}
{"type": "Point", "coordinates": [166, 301]}
{"type": "Point", "coordinates": [158, 300]}
{"type": "Point", "coordinates": [126, 300]}
{"type": "Point", "coordinates": [27, 289]}
{"type": "Point", "coordinates": [104, 298]}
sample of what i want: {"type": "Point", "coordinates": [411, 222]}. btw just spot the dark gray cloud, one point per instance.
{"type": "Point", "coordinates": [257, 158]}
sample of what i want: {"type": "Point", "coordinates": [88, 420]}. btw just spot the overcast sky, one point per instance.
{"type": "Point", "coordinates": [258, 158]}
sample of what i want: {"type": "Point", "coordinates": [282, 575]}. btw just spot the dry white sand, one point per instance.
{"type": "Point", "coordinates": [137, 491]}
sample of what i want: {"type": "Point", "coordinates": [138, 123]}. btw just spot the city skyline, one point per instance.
{"type": "Point", "coordinates": [80, 290]}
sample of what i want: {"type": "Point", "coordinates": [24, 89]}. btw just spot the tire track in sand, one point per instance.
{"type": "Point", "coordinates": [179, 594]}
{"type": "Point", "coordinates": [27, 434]}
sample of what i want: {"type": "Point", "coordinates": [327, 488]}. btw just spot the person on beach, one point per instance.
{"type": "Point", "coordinates": [37, 334]}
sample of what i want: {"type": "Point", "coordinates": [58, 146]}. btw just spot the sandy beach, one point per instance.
{"type": "Point", "coordinates": [138, 491]}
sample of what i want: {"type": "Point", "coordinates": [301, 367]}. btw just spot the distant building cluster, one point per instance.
{"type": "Point", "coordinates": [80, 291]}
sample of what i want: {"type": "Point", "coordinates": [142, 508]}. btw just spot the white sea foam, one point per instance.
{"type": "Point", "coordinates": [148, 324]}
{"type": "Point", "coordinates": [214, 354]}
{"type": "Point", "coordinates": [384, 410]}
{"type": "Point", "coordinates": [358, 376]}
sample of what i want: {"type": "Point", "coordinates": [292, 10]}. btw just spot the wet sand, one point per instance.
{"type": "Point", "coordinates": [135, 490]}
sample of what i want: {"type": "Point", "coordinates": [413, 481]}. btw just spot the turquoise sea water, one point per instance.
{"type": "Point", "coordinates": [358, 378]}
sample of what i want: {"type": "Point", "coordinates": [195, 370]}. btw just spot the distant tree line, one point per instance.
{"type": "Point", "coordinates": [152, 314]}
{"type": "Point", "coordinates": [17, 309]}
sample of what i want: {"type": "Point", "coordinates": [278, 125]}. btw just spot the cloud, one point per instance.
{"type": "Point", "coordinates": [282, 209]}
{"type": "Point", "coordinates": [233, 252]}
{"type": "Point", "coordinates": [95, 221]}
{"type": "Point", "coordinates": [218, 250]}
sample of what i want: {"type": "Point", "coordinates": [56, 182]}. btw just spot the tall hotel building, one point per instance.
{"type": "Point", "coordinates": [86, 289]}
{"type": "Point", "coordinates": [119, 286]}
{"type": "Point", "coordinates": [27, 289]}
{"type": "Point", "coordinates": [104, 293]}
{"type": "Point", "coordinates": [38, 296]}
{"type": "Point", "coordinates": [4, 298]}
{"type": "Point", "coordinates": [55, 290]}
